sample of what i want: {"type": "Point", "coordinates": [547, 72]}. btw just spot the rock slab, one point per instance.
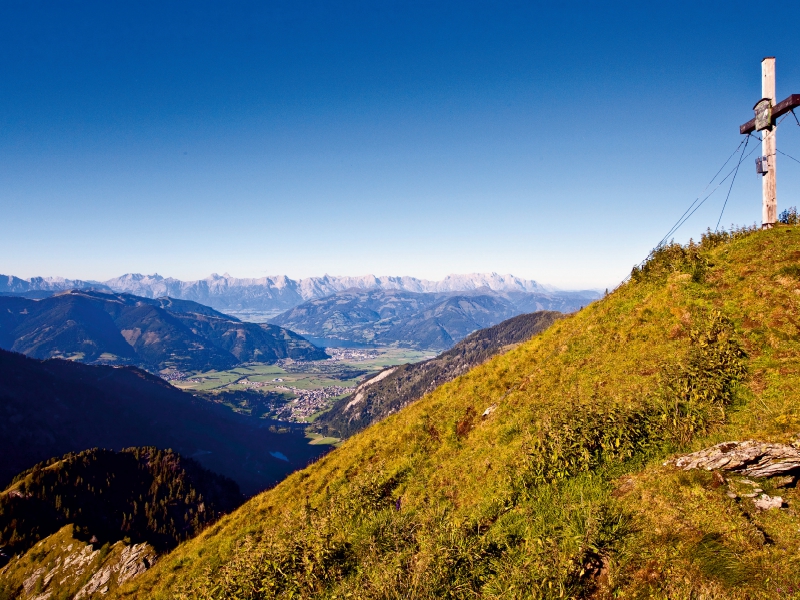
{"type": "Point", "coordinates": [750, 457]}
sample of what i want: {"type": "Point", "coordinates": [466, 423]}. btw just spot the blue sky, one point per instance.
{"type": "Point", "coordinates": [556, 141]}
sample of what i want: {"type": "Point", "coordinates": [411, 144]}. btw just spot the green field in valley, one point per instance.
{"type": "Point", "coordinates": [346, 371]}
{"type": "Point", "coordinates": [296, 391]}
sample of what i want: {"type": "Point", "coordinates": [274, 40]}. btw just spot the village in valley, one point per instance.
{"type": "Point", "coordinates": [290, 390]}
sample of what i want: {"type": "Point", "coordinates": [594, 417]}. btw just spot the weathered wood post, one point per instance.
{"type": "Point", "coordinates": [766, 115]}
{"type": "Point", "coordinates": [769, 210]}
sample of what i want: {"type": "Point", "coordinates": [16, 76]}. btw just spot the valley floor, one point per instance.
{"type": "Point", "coordinates": [294, 391]}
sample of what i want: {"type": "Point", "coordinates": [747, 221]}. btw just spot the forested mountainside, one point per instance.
{"type": "Point", "coordinates": [140, 501]}
{"type": "Point", "coordinates": [280, 293]}
{"type": "Point", "coordinates": [425, 321]}
{"type": "Point", "coordinates": [159, 334]}
{"type": "Point", "coordinates": [396, 387]}
{"type": "Point", "coordinates": [49, 408]}
{"type": "Point", "coordinates": [143, 494]}
{"type": "Point", "coordinates": [545, 472]}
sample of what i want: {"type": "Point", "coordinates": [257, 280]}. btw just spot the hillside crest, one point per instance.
{"type": "Point", "coordinates": [540, 473]}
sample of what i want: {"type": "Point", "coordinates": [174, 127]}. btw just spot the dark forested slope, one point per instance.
{"type": "Point", "coordinates": [49, 408]}
{"type": "Point", "coordinates": [143, 494]}
{"type": "Point", "coordinates": [396, 387]}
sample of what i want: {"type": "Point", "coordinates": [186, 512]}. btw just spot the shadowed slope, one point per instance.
{"type": "Point", "coordinates": [49, 408]}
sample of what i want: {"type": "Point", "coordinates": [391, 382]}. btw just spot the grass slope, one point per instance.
{"type": "Point", "coordinates": [388, 392]}
{"type": "Point", "coordinates": [560, 491]}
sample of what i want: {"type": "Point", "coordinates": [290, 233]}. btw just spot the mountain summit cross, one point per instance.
{"type": "Point", "coordinates": [766, 113]}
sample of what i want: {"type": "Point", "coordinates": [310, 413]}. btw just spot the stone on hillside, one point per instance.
{"type": "Point", "coordinates": [751, 458]}
{"type": "Point", "coordinates": [766, 502]}
{"type": "Point", "coordinates": [133, 560]}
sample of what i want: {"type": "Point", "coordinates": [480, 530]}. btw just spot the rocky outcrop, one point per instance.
{"type": "Point", "coordinates": [133, 560]}
{"type": "Point", "coordinates": [750, 458]}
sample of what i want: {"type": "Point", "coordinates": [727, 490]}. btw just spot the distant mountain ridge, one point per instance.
{"type": "Point", "coordinates": [161, 333]}
{"type": "Point", "coordinates": [280, 292]}
{"type": "Point", "coordinates": [429, 321]}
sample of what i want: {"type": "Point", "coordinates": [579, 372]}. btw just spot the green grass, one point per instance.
{"type": "Point", "coordinates": [561, 491]}
{"type": "Point", "coordinates": [321, 440]}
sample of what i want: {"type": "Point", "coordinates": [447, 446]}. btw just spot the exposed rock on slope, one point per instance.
{"type": "Point", "coordinates": [64, 567]}
{"type": "Point", "coordinates": [750, 458]}
{"type": "Point", "coordinates": [394, 388]}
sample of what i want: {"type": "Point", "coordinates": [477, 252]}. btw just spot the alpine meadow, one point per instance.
{"type": "Point", "coordinates": [544, 472]}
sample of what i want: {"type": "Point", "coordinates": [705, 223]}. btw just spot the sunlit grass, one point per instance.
{"type": "Point", "coordinates": [560, 492]}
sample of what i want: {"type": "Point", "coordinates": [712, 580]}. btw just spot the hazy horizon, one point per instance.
{"type": "Point", "coordinates": [557, 142]}
{"type": "Point", "coordinates": [276, 275]}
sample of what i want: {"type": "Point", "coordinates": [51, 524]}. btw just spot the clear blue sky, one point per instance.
{"type": "Point", "coordinates": [557, 141]}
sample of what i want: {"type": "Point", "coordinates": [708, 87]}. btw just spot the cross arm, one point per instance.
{"type": "Point", "coordinates": [781, 108]}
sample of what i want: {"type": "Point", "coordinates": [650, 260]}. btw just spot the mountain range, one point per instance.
{"type": "Point", "coordinates": [157, 334]}
{"type": "Point", "coordinates": [278, 293]}
{"type": "Point", "coordinates": [431, 321]}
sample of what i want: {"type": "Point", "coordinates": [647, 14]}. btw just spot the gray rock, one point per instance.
{"type": "Point", "coordinates": [133, 560]}
{"type": "Point", "coordinates": [767, 502]}
{"type": "Point", "coordinates": [751, 458]}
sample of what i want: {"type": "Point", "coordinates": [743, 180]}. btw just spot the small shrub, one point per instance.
{"type": "Point", "coordinates": [790, 271]}
{"type": "Point", "coordinates": [716, 560]}
{"type": "Point", "coordinates": [692, 258]}
{"type": "Point", "coordinates": [789, 216]}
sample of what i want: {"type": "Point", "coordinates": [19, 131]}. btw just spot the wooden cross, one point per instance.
{"type": "Point", "coordinates": [766, 114]}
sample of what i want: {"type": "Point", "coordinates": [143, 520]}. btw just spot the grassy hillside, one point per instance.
{"type": "Point", "coordinates": [560, 490]}
{"type": "Point", "coordinates": [398, 386]}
